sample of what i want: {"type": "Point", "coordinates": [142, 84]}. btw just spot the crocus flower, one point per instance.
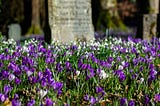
{"type": "Point", "coordinates": [2, 97]}
{"type": "Point", "coordinates": [100, 92]}
{"type": "Point", "coordinates": [59, 68]}
{"type": "Point", "coordinates": [134, 76]}
{"type": "Point", "coordinates": [68, 65]}
{"type": "Point", "coordinates": [146, 99]}
{"type": "Point", "coordinates": [43, 82]}
{"type": "Point", "coordinates": [78, 73]}
{"type": "Point", "coordinates": [157, 98]}
{"type": "Point", "coordinates": [86, 97]}
{"type": "Point", "coordinates": [40, 76]}
{"type": "Point", "coordinates": [49, 60]}
{"type": "Point", "coordinates": [16, 96]}
{"type": "Point", "coordinates": [31, 103]}
{"type": "Point", "coordinates": [7, 89]}
{"type": "Point", "coordinates": [120, 74]}
{"type": "Point", "coordinates": [5, 74]}
{"type": "Point", "coordinates": [43, 93]}
{"type": "Point", "coordinates": [48, 72]}
{"type": "Point", "coordinates": [131, 103]}
{"type": "Point", "coordinates": [1, 64]}
{"type": "Point", "coordinates": [49, 102]}
{"type": "Point", "coordinates": [58, 86]}
{"type": "Point", "coordinates": [103, 75]}
{"type": "Point", "coordinates": [92, 100]}
{"type": "Point", "coordinates": [16, 102]}
{"type": "Point", "coordinates": [90, 73]}
{"type": "Point", "coordinates": [17, 81]}
{"type": "Point", "coordinates": [123, 101]}
{"type": "Point", "coordinates": [29, 73]}
{"type": "Point", "coordinates": [98, 71]}
{"type": "Point", "coordinates": [99, 89]}
{"type": "Point", "coordinates": [11, 77]}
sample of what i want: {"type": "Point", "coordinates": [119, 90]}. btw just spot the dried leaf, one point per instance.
{"type": "Point", "coordinates": [7, 102]}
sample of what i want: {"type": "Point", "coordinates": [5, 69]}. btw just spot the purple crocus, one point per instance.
{"type": "Point", "coordinates": [49, 60]}
{"type": "Point", "coordinates": [16, 96]}
{"type": "Point", "coordinates": [7, 89]}
{"type": "Point", "coordinates": [43, 82]}
{"type": "Point", "coordinates": [98, 71]}
{"type": "Point", "coordinates": [17, 81]}
{"type": "Point", "coordinates": [84, 66]}
{"type": "Point", "coordinates": [5, 74]}
{"type": "Point", "coordinates": [131, 103]}
{"type": "Point", "coordinates": [1, 64]}
{"type": "Point", "coordinates": [40, 76]}
{"type": "Point", "coordinates": [73, 47]}
{"type": "Point", "coordinates": [11, 77]}
{"type": "Point", "coordinates": [123, 101]}
{"type": "Point", "coordinates": [16, 102]}
{"type": "Point", "coordinates": [86, 97]}
{"type": "Point", "coordinates": [48, 72]}
{"type": "Point", "coordinates": [134, 76]}
{"type": "Point", "coordinates": [157, 98]}
{"type": "Point", "coordinates": [57, 86]}
{"type": "Point", "coordinates": [31, 103]}
{"type": "Point", "coordinates": [2, 97]}
{"type": "Point", "coordinates": [59, 67]}
{"type": "Point", "coordinates": [146, 99]}
{"type": "Point", "coordinates": [90, 73]}
{"type": "Point", "coordinates": [68, 65]}
{"type": "Point", "coordinates": [100, 92]}
{"type": "Point", "coordinates": [152, 75]}
{"type": "Point", "coordinates": [92, 100]}
{"type": "Point", "coordinates": [49, 102]}
{"type": "Point", "coordinates": [99, 89]}
{"type": "Point", "coordinates": [120, 74]}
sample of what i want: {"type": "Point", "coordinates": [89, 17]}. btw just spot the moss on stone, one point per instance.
{"type": "Point", "coordinates": [107, 21]}
{"type": "Point", "coordinates": [34, 30]}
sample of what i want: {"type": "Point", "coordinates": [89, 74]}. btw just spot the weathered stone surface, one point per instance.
{"type": "Point", "coordinates": [154, 6]}
{"type": "Point", "coordinates": [108, 4]}
{"type": "Point", "coordinates": [14, 32]}
{"type": "Point", "coordinates": [149, 26]}
{"type": "Point", "coordinates": [70, 20]}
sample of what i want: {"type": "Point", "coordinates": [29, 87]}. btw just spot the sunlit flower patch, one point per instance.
{"type": "Point", "coordinates": [113, 72]}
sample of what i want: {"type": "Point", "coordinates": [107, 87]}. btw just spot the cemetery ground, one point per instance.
{"type": "Point", "coordinates": [113, 72]}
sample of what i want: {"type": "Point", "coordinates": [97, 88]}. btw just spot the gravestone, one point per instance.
{"type": "Point", "coordinates": [149, 26]}
{"type": "Point", "coordinates": [154, 6]}
{"type": "Point", "coordinates": [147, 19]}
{"type": "Point", "coordinates": [14, 32]}
{"type": "Point", "coordinates": [70, 20]}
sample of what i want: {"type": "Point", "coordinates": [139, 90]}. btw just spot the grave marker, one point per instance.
{"type": "Point", "coordinates": [14, 32]}
{"type": "Point", "coordinates": [70, 20]}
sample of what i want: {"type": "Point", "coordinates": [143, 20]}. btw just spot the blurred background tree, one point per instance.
{"type": "Point", "coordinates": [35, 22]}
{"type": "Point", "coordinates": [31, 14]}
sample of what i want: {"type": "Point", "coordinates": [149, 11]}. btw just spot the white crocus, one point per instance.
{"type": "Point", "coordinates": [141, 80]}
{"type": "Point", "coordinates": [78, 73]}
{"type": "Point", "coordinates": [29, 73]}
{"type": "Point", "coordinates": [123, 63]}
{"type": "Point", "coordinates": [103, 75]}
{"type": "Point", "coordinates": [120, 67]}
{"type": "Point", "coordinates": [43, 93]}
{"type": "Point", "coordinates": [11, 77]}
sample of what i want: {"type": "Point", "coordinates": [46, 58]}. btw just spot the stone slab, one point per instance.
{"type": "Point", "coordinates": [149, 26]}
{"type": "Point", "coordinates": [14, 32]}
{"type": "Point", "coordinates": [70, 20]}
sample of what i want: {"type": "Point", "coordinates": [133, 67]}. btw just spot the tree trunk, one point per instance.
{"type": "Point", "coordinates": [35, 13]}
{"type": "Point", "coordinates": [17, 11]}
{"type": "Point", "coordinates": [109, 17]}
{"type": "Point", "coordinates": [35, 22]}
